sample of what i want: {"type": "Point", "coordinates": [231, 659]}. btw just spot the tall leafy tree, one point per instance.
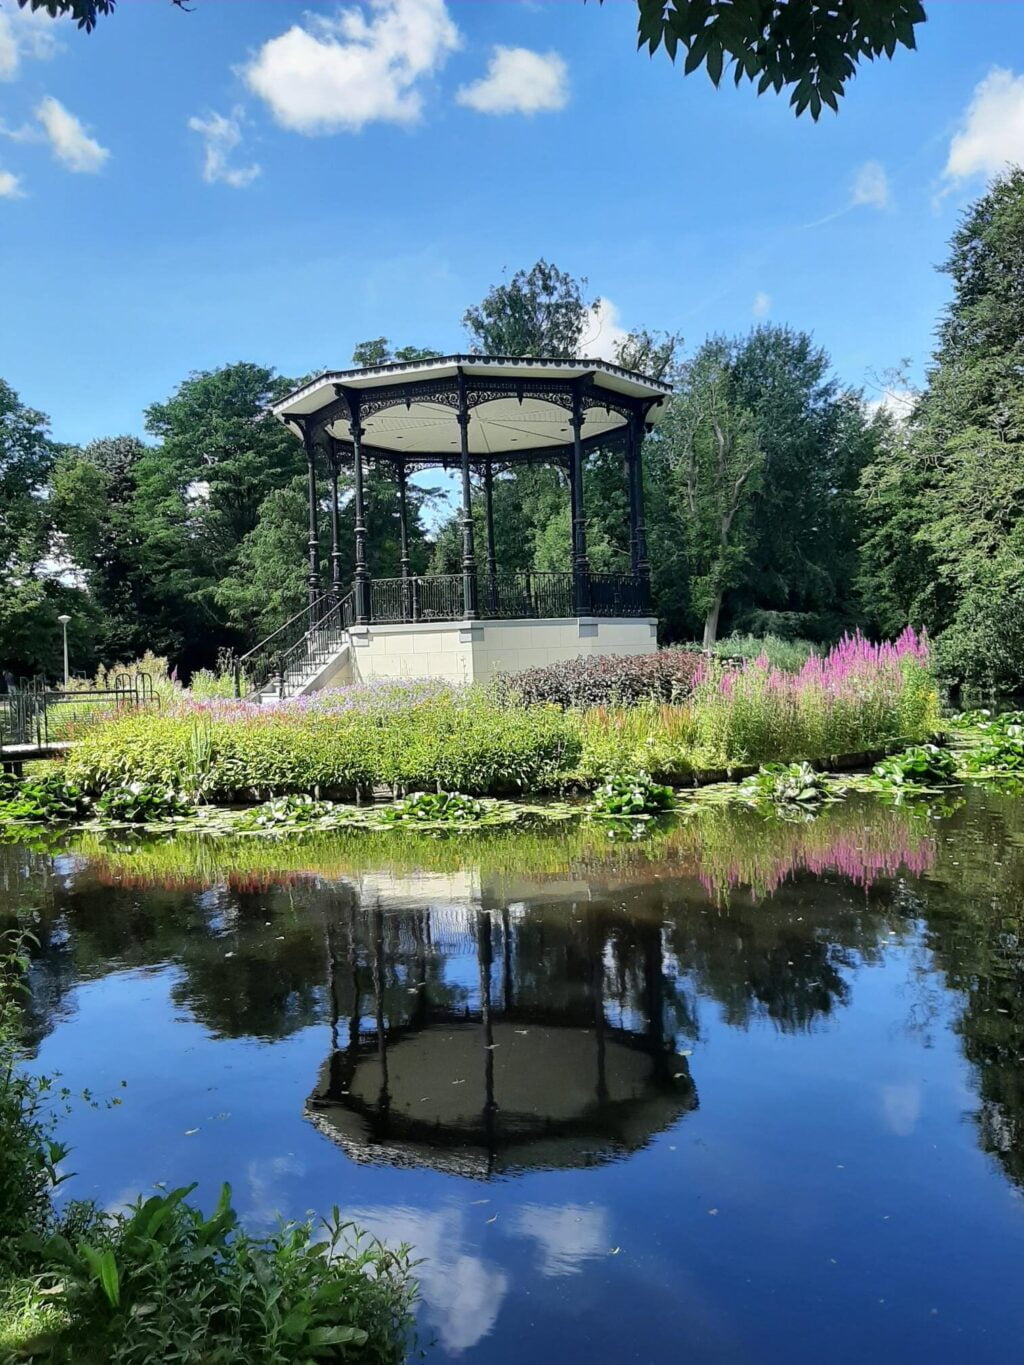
{"type": "Point", "coordinates": [945, 501]}
{"type": "Point", "coordinates": [199, 495]}
{"type": "Point", "coordinates": [542, 311]}
{"type": "Point", "coordinates": [714, 450]}
{"type": "Point", "coordinates": [816, 439]}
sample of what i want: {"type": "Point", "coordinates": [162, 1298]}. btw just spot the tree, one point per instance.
{"type": "Point", "coordinates": [538, 312]}
{"type": "Point", "coordinates": [945, 501]}
{"type": "Point", "coordinates": [813, 46]}
{"type": "Point", "coordinates": [84, 12]}
{"type": "Point", "coordinates": [199, 495]}
{"type": "Point", "coordinates": [91, 501]}
{"type": "Point", "coordinates": [816, 439]}
{"type": "Point", "coordinates": [27, 614]}
{"type": "Point", "coordinates": [715, 453]}
{"type": "Point", "coordinates": [379, 351]}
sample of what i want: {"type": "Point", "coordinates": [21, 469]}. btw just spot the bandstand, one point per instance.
{"type": "Point", "coordinates": [480, 416]}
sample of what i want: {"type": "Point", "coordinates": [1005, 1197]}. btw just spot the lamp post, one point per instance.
{"type": "Point", "coordinates": [64, 625]}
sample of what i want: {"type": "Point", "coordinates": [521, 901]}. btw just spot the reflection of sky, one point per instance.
{"type": "Point", "coordinates": [461, 1292]}
{"type": "Point", "coordinates": [566, 1236]}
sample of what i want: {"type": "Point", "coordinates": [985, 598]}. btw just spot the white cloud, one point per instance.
{"type": "Point", "coordinates": [71, 145]}
{"type": "Point", "coordinates": [338, 74]}
{"type": "Point", "coordinates": [605, 334]}
{"type": "Point", "coordinates": [762, 304]}
{"type": "Point", "coordinates": [10, 186]}
{"type": "Point", "coordinates": [220, 137]}
{"type": "Point", "coordinates": [991, 134]}
{"type": "Point", "coordinates": [519, 81]}
{"type": "Point", "coordinates": [25, 33]}
{"type": "Point", "coordinates": [870, 186]}
{"type": "Point", "coordinates": [567, 1234]}
{"type": "Point", "coordinates": [898, 402]}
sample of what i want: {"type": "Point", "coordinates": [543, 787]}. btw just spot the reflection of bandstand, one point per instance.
{"type": "Point", "coordinates": [518, 1078]}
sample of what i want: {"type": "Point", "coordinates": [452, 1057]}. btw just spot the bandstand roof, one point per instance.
{"type": "Point", "coordinates": [520, 407]}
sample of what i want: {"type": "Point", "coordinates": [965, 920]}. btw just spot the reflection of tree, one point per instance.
{"type": "Point", "coordinates": [973, 904]}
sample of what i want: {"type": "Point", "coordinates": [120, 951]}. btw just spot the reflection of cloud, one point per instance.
{"type": "Point", "coordinates": [901, 1108]}
{"type": "Point", "coordinates": [567, 1234]}
{"type": "Point", "coordinates": [263, 1179]}
{"type": "Point", "coordinates": [462, 1293]}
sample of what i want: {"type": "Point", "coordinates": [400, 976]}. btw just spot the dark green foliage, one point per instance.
{"type": "Point", "coordinates": [813, 46]}
{"type": "Point", "coordinates": [607, 679]}
{"type": "Point", "coordinates": [944, 502]}
{"type": "Point", "coordinates": [539, 312]}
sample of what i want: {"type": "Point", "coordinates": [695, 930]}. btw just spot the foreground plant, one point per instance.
{"type": "Point", "coordinates": [449, 808]}
{"type": "Point", "coordinates": [163, 1282]}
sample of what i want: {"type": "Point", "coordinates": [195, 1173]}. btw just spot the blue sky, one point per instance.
{"type": "Point", "coordinates": [410, 150]}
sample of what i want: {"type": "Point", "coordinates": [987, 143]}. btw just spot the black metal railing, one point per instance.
{"type": "Point", "coordinates": [35, 713]}
{"type": "Point", "coordinates": [509, 596]}
{"type": "Point", "coordinates": [285, 659]}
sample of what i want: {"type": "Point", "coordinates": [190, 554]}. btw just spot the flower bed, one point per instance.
{"type": "Point", "coordinates": [422, 735]}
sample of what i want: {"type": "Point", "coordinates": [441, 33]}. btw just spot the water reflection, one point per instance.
{"type": "Point", "coordinates": [528, 1000]}
{"type": "Point", "coordinates": [480, 1041]}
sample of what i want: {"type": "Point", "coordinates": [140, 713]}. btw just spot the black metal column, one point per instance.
{"type": "Point", "coordinates": [313, 544]}
{"type": "Point", "coordinates": [580, 563]}
{"type": "Point", "coordinates": [469, 597]}
{"type": "Point", "coordinates": [639, 561]}
{"type": "Point", "coordinates": [361, 583]}
{"type": "Point", "coordinates": [334, 460]}
{"type": "Point", "coordinates": [403, 531]}
{"type": "Point", "coordinates": [492, 558]}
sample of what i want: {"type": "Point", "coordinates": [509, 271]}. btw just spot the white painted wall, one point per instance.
{"type": "Point", "coordinates": [463, 651]}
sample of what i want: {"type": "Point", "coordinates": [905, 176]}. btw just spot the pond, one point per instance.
{"type": "Point", "coordinates": [741, 1090]}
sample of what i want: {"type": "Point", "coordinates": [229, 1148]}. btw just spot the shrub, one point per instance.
{"type": "Point", "coordinates": [162, 1282]}
{"type": "Point", "coordinates": [605, 679]}
{"type": "Point", "coordinates": [788, 655]}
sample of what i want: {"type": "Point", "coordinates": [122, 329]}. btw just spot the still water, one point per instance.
{"type": "Point", "coordinates": [742, 1091]}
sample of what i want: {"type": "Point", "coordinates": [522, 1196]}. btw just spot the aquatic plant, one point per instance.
{"type": "Point", "coordinates": [631, 796]}
{"type": "Point", "coordinates": [785, 784]}
{"type": "Point", "coordinates": [41, 799]}
{"type": "Point", "coordinates": [140, 803]}
{"type": "Point", "coordinates": [922, 765]}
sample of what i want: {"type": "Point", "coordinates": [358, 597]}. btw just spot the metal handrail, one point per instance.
{"type": "Point", "coordinates": [282, 659]}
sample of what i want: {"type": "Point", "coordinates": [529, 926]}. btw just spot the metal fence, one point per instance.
{"type": "Point", "coordinates": [33, 713]}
